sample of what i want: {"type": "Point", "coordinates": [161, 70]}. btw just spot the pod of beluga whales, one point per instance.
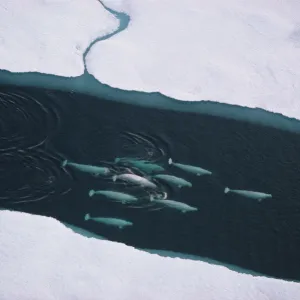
{"type": "Point", "coordinates": [148, 176]}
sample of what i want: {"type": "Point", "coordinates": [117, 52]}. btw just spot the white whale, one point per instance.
{"type": "Point", "coordinates": [135, 179]}
{"type": "Point", "coordinates": [118, 196]}
{"type": "Point", "coordinates": [109, 221]}
{"type": "Point", "coordinates": [249, 194]}
{"type": "Point", "coordinates": [177, 181]}
{"type": "Point", "coordinates": [128, 159]}
{"type": "Point", "coordinates": [191, 169]}
{"type": "Point", "coordinates": [142, 165]}
{"type": "Point", "coordinates": [183, 207]}
{"type": "Point", "coordinates": [94, 170]}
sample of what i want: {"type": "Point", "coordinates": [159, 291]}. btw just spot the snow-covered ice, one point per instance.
{"type": "Point", "coordinates": [236, 52]}
{"type": "Point", "coordinates": [50, 36]}
{"type": "Point", "coordinates": [40, 258]}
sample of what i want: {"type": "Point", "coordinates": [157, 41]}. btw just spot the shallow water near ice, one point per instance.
{"type": "Point", "coordinates": [88, 85]}
{"type": "Point", "coordinates": [42, 127]}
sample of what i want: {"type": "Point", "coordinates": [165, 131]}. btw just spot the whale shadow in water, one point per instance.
{"type": "Point", "coordinates": [42, 127]}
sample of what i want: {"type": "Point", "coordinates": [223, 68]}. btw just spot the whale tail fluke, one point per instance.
{"type": "Point", "coordinates": [227, 190]}
{"type": "Point", "coordinates": [87, 217]}
{"type": "Point", "coordinates": [170, 161]}
{"type": "Point", "coordinates": [64, 163]}
{"type": "Point", "coordinates": [91, 193]}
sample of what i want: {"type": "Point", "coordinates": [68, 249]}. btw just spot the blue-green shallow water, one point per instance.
{"type": "Point", "coordinates": [87, 84]}
{"type": "Point", "coordinates": [41, 127]}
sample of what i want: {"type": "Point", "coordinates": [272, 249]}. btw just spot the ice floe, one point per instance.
{"type": "Point", "coordinates": [49, 36]}
{"type": "Point", "coordinates": [40, 258]}
{"type": "Point", "coordinates": [235, 52]}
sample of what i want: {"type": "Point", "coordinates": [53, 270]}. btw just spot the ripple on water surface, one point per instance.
{"type": "Point", "coordinates": [31, 175]}
{"type": "Point", "coordinates": [24, 121]}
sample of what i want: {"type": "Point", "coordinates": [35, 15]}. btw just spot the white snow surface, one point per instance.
{"type": "Point", "coordinates": [236, 51]}
{"type": "Point", "coordinates": [40, 258]}
{"type": "Point", "coordinates": [50, 36]}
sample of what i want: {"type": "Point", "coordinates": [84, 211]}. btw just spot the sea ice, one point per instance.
{"type": "Point", "coordinates": [50, 36]}
{"type": "Point", "coordinates": [237, 52]}
{"type": "Point", "coordinates": [40, 258]}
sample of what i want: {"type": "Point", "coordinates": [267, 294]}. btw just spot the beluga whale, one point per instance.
{"type": "Point", "coordinates": [135, 179]}
{"type": "Point", "coordinates": [183, 207]}
{"type": "Point", "coordinates": [94, 170]}
{"type": "Point", "coordinates": [249, 194]}
{"type": "Point", "coordinates": [142, 165]}
{"type": "Point", "coordinates": [190, 169]}
{"type": "Point", "coordinates": [117, 196]}
{"type": "Point", "coordinates": [115, 222]}
{"type": "Point", "coordinates": [177, 181]}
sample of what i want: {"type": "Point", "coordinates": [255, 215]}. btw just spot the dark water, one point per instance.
{"type": "Point", "coordinates": [40, 128]}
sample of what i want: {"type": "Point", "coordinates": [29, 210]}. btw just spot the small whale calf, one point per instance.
{"type": "Point", "coordinates": [109, 221]}
{"type": "Point", "coordinates": [177, 181]}
{"type": "Point", "coordinates": [142, 165]}
{"type": "Point", "coordinates": [94, 170]}
{"type": "Point", "coordinates": [183, 207]}
{"type": "Point", "coordinates": [249, 194]}
{"type": "Point", "coordinates": [117, 196]}
{"type": "Point", "coordinates": [191, 169]}
{"type": "Point", "coordinates": [135, 179]}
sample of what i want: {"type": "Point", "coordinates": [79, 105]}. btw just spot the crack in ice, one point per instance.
{"type": "Point", "coordinates": [123, 19]}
